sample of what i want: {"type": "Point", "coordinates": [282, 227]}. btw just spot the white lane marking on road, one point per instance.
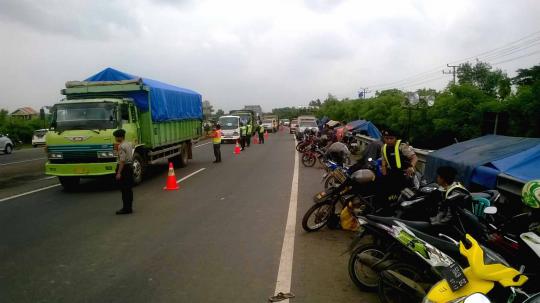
{"type": "Point", "coordinates": [201, 144]}
{"type": "Point", "coordinates": [47, 178]}
{"type": "Point", "coordinates": [28, 193]}
{"type": "Point", "coordinates": [16, 162]}
{"type": "Point", "coordinates": [191, 175]}
{"type": "Point", "coordinates": [284, 277]}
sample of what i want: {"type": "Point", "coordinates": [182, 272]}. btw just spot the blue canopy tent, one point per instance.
{"type": "Point", "coordinates": [482, 159]}
{"type": "Point", "coordinates": [364, 125]}
{"type": "Point", "coordinates": [167, 102]}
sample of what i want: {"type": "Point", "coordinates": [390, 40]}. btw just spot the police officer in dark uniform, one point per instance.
{"type": "Point", "coordinates": [398, 163]}
{"type": "Point", "coordinates": [124, 171]}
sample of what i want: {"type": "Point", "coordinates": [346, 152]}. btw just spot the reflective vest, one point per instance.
{"type": "Point", "coordinates": [261, 129]}
{"type": "Point", "coordinates": [396, 154]}
{"type": "Point", "coordinates": [454, 185]}
{"type": "Point", "coordinates": [249, 130]}
{"type": "Point", "coordinates": [217, 137]}
{"type": "Point", "coordinates": [242, 131]}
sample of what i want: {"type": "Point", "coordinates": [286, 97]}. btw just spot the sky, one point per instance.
{"type": "Point", "coordinates": [274, 53]}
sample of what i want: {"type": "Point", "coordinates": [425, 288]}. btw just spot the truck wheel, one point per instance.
{"type": "Point", "coordinates": [184, 156]}
{"type": "Point", "coordinates": [138, 168]}
{"type": "Point", "coordinates": [69, 183]}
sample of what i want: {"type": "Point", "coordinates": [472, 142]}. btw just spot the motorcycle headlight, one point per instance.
{"type": "Point", "coordinates": [105, 154]}
{"type": "Point", "coordinates": [56, 156]}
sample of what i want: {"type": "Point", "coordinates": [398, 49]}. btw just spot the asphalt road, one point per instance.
{"type": "Point", "coordinates": [218, 239]}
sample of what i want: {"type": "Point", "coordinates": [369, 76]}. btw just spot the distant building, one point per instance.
{"type": "Point", "coordinates": [25, 113]}
{"type": "Point", "coordinates": [256, 108]}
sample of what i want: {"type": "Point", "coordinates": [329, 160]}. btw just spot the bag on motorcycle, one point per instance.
{"type": "Point", "coordinates": [348, 221]}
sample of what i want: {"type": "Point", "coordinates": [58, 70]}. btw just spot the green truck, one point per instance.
{"type": "Point", "coordinates": [247, 117]}
{"type": "Point", "coordinates": [162, 121]}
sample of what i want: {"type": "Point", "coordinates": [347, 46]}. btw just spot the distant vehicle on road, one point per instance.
{"type": "Point", "coordinates": [6, 145]}
{"type": "Point", "coordinates": [230, 128]}
{"type": "Point", "coordinates": [285, 122]}
{"type": "Point", "coordinates": [39, 137]}
{"type": "Point", "coordinates": [294, 126]}
{"type": "Point", "coordinates": [160, 120]}
{"type": "Point", "coordinates": [246, 116]}
{"type": "Point", "coordinates": [273, 121]}
{"type": "Point", "coordinates": [307, 122]}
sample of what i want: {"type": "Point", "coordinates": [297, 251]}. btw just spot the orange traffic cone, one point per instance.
{"type": "Point", "coordinates": [266, 134]}
{"type": "Point", "coordinates": [255, 140]}
{"type": "Point", "coordinates": [171, 179]}
{"type": "Point", "coordinates": [237, 148]}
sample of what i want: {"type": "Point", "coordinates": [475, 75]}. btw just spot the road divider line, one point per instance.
{"type": "Point", "coordinates": [191, 175]}
{"type": "Point", "coordinates": [28, 193]}
{"type": "Point", "coordinates": [284, 277]}
{"type": "Point", "coordinates": [17, 162]}
{"type": "Point", "coordinates": [201, 144]}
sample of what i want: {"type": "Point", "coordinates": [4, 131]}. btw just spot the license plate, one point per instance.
{"type": "Point", "coordinates": [81, 170]}
{"type": "Point", "coordinates": [454, 276]}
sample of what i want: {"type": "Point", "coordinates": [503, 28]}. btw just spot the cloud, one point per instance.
{"type": "Point", "coordinates": [97, 20]}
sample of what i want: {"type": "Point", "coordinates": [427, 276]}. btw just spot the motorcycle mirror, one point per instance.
{"type": "Point", "coordinates": [490, 210]}
{"type": "Point", "coordinates": [476, 298]}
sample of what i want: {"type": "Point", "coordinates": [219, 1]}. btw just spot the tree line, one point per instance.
{"type": "Point", "coordinates": [483, 100]}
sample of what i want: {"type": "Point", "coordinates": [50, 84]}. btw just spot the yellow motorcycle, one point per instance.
{"type": "Point", "coordinates": [484, 275]}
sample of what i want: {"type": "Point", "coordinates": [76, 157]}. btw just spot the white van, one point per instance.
{"type": "Point", "coordinates": [230, 128]}
{"type": "Point", "coordinates": [39, 137]}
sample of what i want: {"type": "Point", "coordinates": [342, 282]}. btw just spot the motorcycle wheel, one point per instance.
{"type": "Point", "coordinates": [361, 274]}
{"type": "Point", "coordinates": [319, 213]}
{"type": "Point", "coordinates": [300, 146]}
{"type": "Point", "coordinates": [391, 293]}
{"type": "Point", "coordinates": [308, 160]}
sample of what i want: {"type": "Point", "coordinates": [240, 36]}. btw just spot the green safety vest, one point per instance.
{"type": "Point", "coordinates": [249, 130]}
{"type": "Point", "coordinates": [261, 129]}
{"type": "Point", "coordinates": [396, 151]}
{"type": "Point", "coordinates": [452, 187]}
{"type": "Point", "coordinates": [242, 131]}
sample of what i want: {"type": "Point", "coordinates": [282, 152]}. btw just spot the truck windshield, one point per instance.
{"type": "Point", "coordinates": [245, 118]}
{"type": "Point", "coordinates": [267, 121]}
{"type": "Point", "coordinates": [228, 123]}
{"type": "Point", "coordinates": [84, 116]}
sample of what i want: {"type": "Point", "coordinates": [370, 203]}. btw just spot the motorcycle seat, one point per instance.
{"type": "Point", "coordinates": [445, 246]}
{"type": "Point", "coordinates": [421, 225]}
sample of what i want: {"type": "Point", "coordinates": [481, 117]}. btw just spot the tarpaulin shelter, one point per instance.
{"type": "Point", "coordinates": [482, 159]}
{"type": "Point", "coordinates": [364, 125]}
{"type": "Point", "coordinates": [166, 102]}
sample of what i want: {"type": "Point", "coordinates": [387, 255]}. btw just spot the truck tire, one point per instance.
{"type": "Point", "coordinates": [139, 167]}
{"type": "Point", "coordinates": [69, 183]}
{"type": "Point", "coordinates": [183, 161]}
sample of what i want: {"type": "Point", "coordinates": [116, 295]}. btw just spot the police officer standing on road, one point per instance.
{"type": "Point", "coordinates": [261, 133]}
{"type": "Point", "coordinates": [124, 171]}
{"type": "Point", "coordinates": [399, 161]}
{"type": "Point", "coordinates": [243, 130]}
{"type": "Point", "coordinates": [216, 140]}
{"type": "Point", "coordinates": [249, 131]}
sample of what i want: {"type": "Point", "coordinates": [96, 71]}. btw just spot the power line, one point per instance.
{"type": "Point", "coordinates": [518, 57]}
{"type": "Point", "coordinates": [499, 52]}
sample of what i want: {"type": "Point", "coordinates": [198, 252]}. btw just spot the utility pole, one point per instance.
{"type": "Point", "coordinates": [363, 91]}
{"type": "Point", "coordinates": [453, 72]}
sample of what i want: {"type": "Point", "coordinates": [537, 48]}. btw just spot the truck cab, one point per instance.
{"type": "Point", "coordinates": [80, 141]}
{"type": "Point", "coordinates": [230, 128]}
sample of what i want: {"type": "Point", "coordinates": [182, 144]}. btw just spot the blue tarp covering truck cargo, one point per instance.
{"type": "Point", "coordinates": [167, 102]}
{"type": "Point", "coordinates": [364, 125]}
{"type": "Point", "coordinates": [481, 160]}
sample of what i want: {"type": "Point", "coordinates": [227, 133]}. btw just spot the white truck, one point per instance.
{"type": "Point", "coordinates": [230, 128]}
{"type": "Point", "coordinates": [307, 122]}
